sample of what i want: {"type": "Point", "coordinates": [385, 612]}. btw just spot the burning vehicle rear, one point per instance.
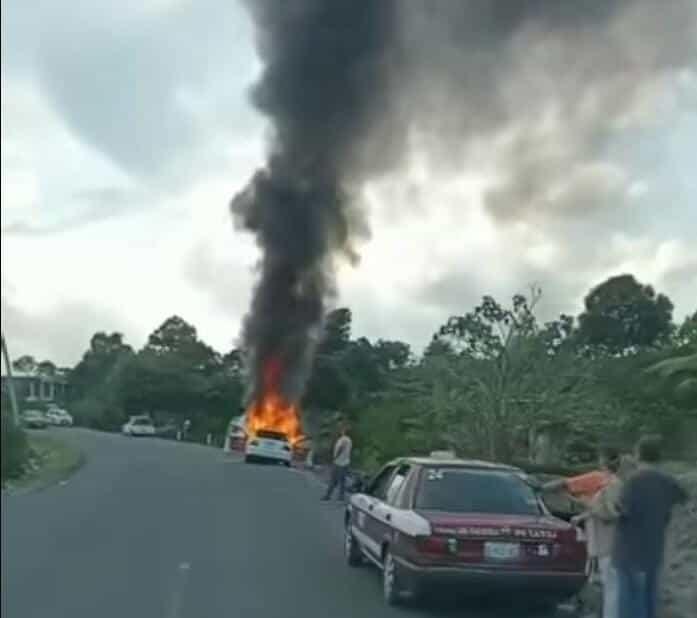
{"type": "Point", "coordinates": [272, 446]}
{"type": "Point", "coordinates": [271, 423]}
{"type": "Point", "coordinates": [476, 527]}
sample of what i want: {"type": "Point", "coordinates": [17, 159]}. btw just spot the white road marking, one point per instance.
{"type": "Point", "coordinates": [181, 579]}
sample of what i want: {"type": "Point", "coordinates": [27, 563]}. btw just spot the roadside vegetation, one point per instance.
{"type": "Point", "coordinates": [48, 460]}
{"type": "Point", "coordinates": [15, 448]}
{"type": "Point", "coordinates": [495, 382]}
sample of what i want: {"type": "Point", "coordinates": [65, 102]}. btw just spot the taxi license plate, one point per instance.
{"type": "Point", "coordinates": [501, 551]}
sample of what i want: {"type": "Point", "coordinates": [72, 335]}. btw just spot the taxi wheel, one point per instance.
{"type": "Point", "coordinates": [352, 552]}
{"type": "Point", "coordinates": [391, 581]}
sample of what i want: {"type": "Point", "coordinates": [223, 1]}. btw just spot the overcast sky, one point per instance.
{"type": "Point", "coordinates": [126, 129]}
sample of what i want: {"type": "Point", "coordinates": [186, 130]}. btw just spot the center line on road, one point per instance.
{"type": "Point", "coordinates": [181, 579]}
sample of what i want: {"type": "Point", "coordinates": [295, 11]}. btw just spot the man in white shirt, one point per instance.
{"type": "Point", "coordinates": [340, 464]}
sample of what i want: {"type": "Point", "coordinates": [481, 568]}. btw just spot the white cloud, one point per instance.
{"type": "Point", "coordinates": [115, 189]}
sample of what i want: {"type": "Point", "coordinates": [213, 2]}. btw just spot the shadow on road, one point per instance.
{"type": "Point", "coordinates": [453, 607]}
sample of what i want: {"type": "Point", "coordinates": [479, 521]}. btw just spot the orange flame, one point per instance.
{"type": "Point", "coordinates": [271, 410]}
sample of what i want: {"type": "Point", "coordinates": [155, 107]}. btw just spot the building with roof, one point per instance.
{"type": "Point", "coordinates": [32, 387]}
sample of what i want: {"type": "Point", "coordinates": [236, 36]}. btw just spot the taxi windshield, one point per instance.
{"type": "Point", "coordinates": [458, 490]}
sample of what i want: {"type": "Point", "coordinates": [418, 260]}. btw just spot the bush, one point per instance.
{"type": "Point", "coordinates": [15, 449]}
{"type": "Point", "coordinates": [97, 413]}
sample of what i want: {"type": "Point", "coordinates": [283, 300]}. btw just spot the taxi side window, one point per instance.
{"type": "Point", "coordinates": [378, 488]}
{"type": "Point", "coordinates": [396, 489]}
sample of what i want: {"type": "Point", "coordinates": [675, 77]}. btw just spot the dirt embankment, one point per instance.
{"type": "Point", "coordinates": [680, 576]}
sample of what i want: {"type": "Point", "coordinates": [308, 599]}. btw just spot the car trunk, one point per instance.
{"type": "Point", "coordinates": [502, 542]}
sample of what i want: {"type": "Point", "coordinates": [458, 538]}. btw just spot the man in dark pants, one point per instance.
{"type": "Point", "coordinates": [341, 461]}
{"type": "Point", "coordinates": [645, 506]}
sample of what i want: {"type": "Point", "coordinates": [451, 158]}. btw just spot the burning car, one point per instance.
{"type": "Point", "coordinates": [428, 522]}
{"type": "Point", "coordinates": [268, 445]}
{"type": "Point", "coordinates": [272, 423]}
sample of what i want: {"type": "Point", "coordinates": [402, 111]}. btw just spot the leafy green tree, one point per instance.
{"type": "Point", "coordinates": [677, 379]}
{"type": "Point", "coordinates": [99, 364]}
{"type": "Point", "coordinates": [337, 331]}
{"type": "Point", "coordinates": [622, 314]}
{"type": "Point", "coordinates": [328, 387]}
{"type": "Point", "coordinates": [177, 338]}
{"type": "Point", "coordinates": [25, 363]}
{"type": "Point", "coordinates": [47, 368]}
{"type": "Point", "coordinates": [687, 333]}
{"type": "Point", "coordinates": [392, 354]}
{"type": "Point", "coordinates": [509, 377]}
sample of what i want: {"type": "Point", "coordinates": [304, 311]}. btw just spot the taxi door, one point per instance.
{"type": "Point", "coordinates": [382, 526]}
{"type": "Point", "coordinates": [367, 512]}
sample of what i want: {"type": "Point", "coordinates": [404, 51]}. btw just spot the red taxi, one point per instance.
{"type": "Point", "coordinates": [477, 526]}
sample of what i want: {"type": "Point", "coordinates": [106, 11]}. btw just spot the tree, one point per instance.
{"type": "Point", "coordinates": [177, 338]}
{"type": "Point", "coordinates": [95, 381]}
{"type": "Point", "coordinates": [102, 358]}
{"type": "Point", "coordinates": [47, 368]}
{"type": "Point", "coordinates": [508, 378]}
{"type": "Point", "coordinates": [392, 354]}
{"type": "Point", "coordinates": [173, 336]}
{"type": "Point", "coordinates": [327, 388]}
{"type": "Point", "coordinates": [677, 377]}
{"type": "Point", "coordinates": [337, 331]}
{"type": "Point", "coordinates": [622, 314]}
{"type": "Point", "coordinates": [25, 364]}
{"type": "Point", "coordinates": [687, 333]}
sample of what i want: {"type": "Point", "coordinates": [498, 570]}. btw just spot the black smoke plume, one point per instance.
{"type": "Point", "coordinates": [351, 87]}
{"type": "Point", "coordinates": [326, 72]}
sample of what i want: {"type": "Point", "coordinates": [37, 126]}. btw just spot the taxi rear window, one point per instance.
{"type": "Point", "coordinates": [463, 490]}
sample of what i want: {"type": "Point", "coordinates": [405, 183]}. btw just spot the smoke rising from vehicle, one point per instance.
{"type": "Point", "coordinates": [532, 92]}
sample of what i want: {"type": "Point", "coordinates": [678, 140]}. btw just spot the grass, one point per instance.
{"type": "Point", "coordinates": [52, 460]}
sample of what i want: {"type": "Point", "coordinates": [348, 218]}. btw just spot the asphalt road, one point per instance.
{"type": "Point", "coordinates": [156, 529]}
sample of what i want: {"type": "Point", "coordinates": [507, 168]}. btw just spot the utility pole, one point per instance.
{"type": "Point", "coordinates": [10, 383]}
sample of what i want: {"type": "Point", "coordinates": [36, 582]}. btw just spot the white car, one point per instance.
{"type": "Point", "coordinates": [139, 426]}
{"type": "Point", "coordinates": [267, 445]}
{"type": "Point", "coordinates": [59, 417]}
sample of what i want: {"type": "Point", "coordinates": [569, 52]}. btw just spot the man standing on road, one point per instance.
{"type": "Point", "coordinates": [646, 504]}
{"type": "Point", "coordinates": [341, 461]}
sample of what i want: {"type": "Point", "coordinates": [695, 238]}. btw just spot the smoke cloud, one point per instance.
{"type": "Point", "coordinates": [325, 86]}
{"type": "Point", "coordinates": [532, 94]}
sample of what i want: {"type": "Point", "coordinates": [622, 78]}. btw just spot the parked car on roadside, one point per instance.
{"type": "Point", "coordinates": [236, 435]}
{"type": "Point", "coordinates": [431, 522]}
{"type": "Point", "coordinates": [139, 426]}
{"type": "Point", "coordinates": [59, 417]}
{"type": "Point", "coordinates": [266, 445]}
{"type": "Point", "coordinates": [33, 419]}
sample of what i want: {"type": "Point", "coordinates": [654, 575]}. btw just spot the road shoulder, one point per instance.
{"type": "Point", "coordinates": [53, 460]}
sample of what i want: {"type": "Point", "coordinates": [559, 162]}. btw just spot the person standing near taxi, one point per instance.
{"type": "Point", "coordinates": [341, 460]}
{"type": "Point", "coordinates": [601, 517]}
{"type": "Point", "coordinates": [583, 488]}
{"type": "Point", "coordinates": [646, 504]}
